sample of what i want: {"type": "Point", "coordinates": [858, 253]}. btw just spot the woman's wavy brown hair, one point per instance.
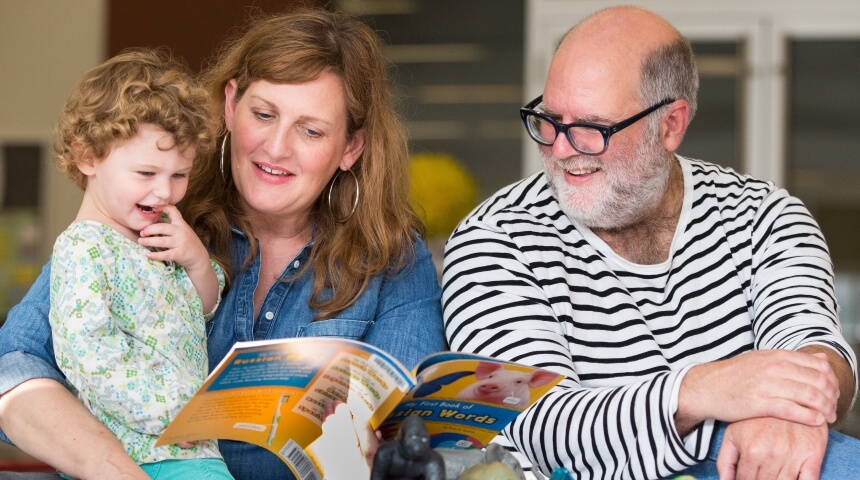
{"type": "Point", "coordinates": [111, 101]}
{"type": "Point", "coordinates": [380, 236]}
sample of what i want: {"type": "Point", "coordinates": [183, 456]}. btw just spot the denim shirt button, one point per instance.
{"type": "Point", "coordinates": [296, 264]}
{"type": "Point", "coordinates": [270, 315]}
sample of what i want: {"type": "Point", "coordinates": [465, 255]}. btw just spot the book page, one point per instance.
{"type": "Point", "coordinates": [274, 394]}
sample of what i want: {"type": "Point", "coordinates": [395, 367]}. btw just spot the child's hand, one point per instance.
{"type": "Point", "coordinates": [174, 240]}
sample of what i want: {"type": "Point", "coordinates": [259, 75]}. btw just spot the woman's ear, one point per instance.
{"type": "Point", "coordinates": [673, 126]}
{"type": "Point", "coordinates": [354, 149]}
{"type": "Point", "coordinates": [230, 92]}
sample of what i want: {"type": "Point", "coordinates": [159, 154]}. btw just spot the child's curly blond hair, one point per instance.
{"type": "Point", "coordinates": [111, 101]}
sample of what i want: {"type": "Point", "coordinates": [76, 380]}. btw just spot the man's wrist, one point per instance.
{"type": "Point", "coordinates": [689, 413]}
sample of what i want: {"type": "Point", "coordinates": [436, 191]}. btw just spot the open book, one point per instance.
{"type": "Point", "coordinates": [273, 394]}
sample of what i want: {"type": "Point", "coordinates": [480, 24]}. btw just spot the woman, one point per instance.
{"type": "Point", "coordinates": [305, 206]}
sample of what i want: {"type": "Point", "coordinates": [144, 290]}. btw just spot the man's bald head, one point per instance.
{"type": "Point", "coordinates": [625, 28]}
{"type": "Point", "coordinates": [629, 49]}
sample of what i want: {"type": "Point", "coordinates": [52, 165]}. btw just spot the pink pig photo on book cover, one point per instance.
{"type": "Point", "coordinates": [466, 400]}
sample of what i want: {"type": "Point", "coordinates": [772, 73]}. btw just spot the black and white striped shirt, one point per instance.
{"type": "Point", "coordinates": [748, 269]}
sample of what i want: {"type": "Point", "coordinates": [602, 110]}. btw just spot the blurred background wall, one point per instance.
{"type": "Point", "coordinates": [780, 99]}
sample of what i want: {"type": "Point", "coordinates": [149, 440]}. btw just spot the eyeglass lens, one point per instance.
{"type": "Point", "coordinates": [585, 139]}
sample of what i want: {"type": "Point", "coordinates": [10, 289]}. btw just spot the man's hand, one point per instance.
{"type": "Point", "coordinates": [793, 386]}
{"type": "Point", "coordinates": [843, 373]}
{"type": "Point", "coordinates": [770, 448]}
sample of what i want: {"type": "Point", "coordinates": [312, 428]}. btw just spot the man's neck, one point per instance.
{"type": "Point", "coordinates": [648, 241]}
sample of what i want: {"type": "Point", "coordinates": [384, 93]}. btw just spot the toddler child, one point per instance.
{"type": "Point", "coordinates": [130, 281]}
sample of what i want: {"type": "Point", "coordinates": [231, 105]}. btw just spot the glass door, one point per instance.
{"type": "Point", "coordinates": [715, 134]}
{"type": "Point", "coordinates": [823, 154]}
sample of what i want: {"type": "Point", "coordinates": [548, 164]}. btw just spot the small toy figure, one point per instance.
{"type": "Point", "coordinates": [408, 456]}
{"type": "Point", "coordinates": [459, 462]}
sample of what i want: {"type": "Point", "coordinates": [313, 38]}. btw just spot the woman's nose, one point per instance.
{"type": "Point", "coordinates": [278, 143]}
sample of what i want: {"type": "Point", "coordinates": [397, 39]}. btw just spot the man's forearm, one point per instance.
{"type": "Point", "coordinates": [45, 420]}
{"type": "Point", "coordinates": [793, 386]}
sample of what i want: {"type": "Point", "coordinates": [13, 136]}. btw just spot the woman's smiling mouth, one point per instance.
{"type": "Point", "coordinates": [271, 170]}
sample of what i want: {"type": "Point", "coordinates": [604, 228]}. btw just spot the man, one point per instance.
{"type": "Point", "coordinates": [690, 308]}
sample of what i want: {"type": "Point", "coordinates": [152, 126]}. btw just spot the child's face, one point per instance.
{"type": "Point", "coordinates": [129, 188]}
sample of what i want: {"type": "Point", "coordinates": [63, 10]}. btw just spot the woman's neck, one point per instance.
{"type": "Point", "coordinates": [280, 243]}
{"type": "Point", "coordinates": [282, 230]}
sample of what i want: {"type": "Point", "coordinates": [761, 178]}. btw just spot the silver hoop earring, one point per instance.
{"type": "Point", "coordinates": [354, 200]}
{"type": "Point", "coordinates": [223, 147]}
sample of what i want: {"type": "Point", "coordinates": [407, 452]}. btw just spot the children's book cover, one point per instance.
{"type": "Point", "coordinates": [466, 400]}
{"type": "Point", "coordinates": [274, 394]}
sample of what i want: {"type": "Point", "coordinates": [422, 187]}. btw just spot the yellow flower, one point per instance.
{"type": "Point", "coordinates": [442, 192]}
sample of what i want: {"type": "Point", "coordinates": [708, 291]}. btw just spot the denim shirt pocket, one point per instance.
{"type": "Point", "coordinates": [337, 327]}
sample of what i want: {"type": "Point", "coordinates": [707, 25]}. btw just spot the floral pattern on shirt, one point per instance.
{"type": "Point", "coordinates": [129, 335]}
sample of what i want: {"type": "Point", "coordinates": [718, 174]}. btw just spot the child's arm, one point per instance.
{"type": "Point", "coordinates": [177, 242]}
{"type": "Point", "coordinates": [207, 285]}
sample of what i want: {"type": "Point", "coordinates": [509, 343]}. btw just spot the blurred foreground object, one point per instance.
{"type": "Point", "coordinates": [489, 471]}
{"type": "Point", "coordinates": [481, 464]}
{"type": "Point", "coordinates": [561, 473]}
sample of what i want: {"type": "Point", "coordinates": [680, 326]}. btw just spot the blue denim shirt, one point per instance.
{"type": "Point", "coordinates": [399, 312]}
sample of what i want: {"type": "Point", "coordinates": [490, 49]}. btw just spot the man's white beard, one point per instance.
{"type": "Point", "coordinates": [632, 188]}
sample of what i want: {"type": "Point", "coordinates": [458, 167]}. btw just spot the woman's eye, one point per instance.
{"type": "Point", "coordinates": [263, 115]}
{"type": "Point", "coordinates": [179, 175]}
{"type": "Point", "coordinates": [312, 133]}
{"type": "Point", "coordinates": [146, 174]}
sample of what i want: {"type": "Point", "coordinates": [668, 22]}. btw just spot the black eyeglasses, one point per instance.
{"type": "Point", "coordinates": [586, 138]}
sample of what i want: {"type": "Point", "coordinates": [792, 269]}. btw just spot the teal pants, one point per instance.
{"type": "Point", "coordinates": [202, 468]}
{"type": "Point", "coordinates": [196, 468]}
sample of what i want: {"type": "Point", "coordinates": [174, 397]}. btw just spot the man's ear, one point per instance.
{"type": "Point", "coordinates": [354, 149]}
{"type": "Point", "coordinates": [673, 125]}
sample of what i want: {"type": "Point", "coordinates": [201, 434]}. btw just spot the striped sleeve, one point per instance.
{"type": "Point", "coordinates": [792, 281]}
